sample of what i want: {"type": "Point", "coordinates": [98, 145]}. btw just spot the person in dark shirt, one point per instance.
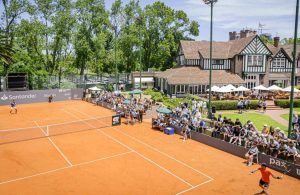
{"type": "Point", "coordinates": [13, 107]}
{"type": "Point", "coordinates": [238, 123]}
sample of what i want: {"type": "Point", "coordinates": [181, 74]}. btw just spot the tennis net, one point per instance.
{"type": "Point", "coordinates": [23, 134]}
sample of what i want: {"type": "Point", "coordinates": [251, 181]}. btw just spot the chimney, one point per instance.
{"type": "Point", "coordinates": [276, 41]}
{"type": "Point", "coordinates": [232, 36]}
{"type": "Point", "coordinates": [242, 34]}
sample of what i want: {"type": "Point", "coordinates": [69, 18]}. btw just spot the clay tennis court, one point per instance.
{"type": "Point", "coordinates": [70, 148]}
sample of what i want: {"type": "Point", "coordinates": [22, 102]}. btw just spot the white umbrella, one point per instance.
{"type": "Point", "coordinates": [214, 88]}
{"type": "Point", "coordinates": [274, 88]}
{"type": "Point", "coordinates": [288, 89]}
{"type": "Point", "coordinates": [241, 88]}
{"type": "Point", "coordinates": [95, 89]}
{"type": "Point", "coordinates": [224, 89]}
{"type": "Point", "coordinates": [231, 87]}
{"type": "Point", "coordinates": [261, 87]}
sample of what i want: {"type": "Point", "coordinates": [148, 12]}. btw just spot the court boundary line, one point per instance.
{"type": "Point", "coordinates": [165, 154]}
{"type": "Point", "coordinates": [67, 167]}
{"type": "Point", "coordinates": [139, 154]}
{"type": "Point", "coordinates": [55, 146]}
{"type": "Point", "coordinates": [155, 149]}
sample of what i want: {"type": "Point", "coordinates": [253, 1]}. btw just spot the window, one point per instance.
{"type": "Point", "coordinates": [217, 62]}
{"type": "Point", "coordinates": [255, 60]}
{"type": "Point", "coordinates": [278, 63]}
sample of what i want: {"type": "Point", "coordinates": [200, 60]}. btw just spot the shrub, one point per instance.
{"type": "Point", "coordinates": [231, 104]}
{"type": "Point", "coordinates": [286, 103]}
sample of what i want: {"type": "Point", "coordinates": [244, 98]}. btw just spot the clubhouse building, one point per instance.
{"type": "Point", "coordinates": [243, 60]}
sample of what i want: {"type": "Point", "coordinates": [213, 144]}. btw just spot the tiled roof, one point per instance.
{"type": "Point", "coordinates": [193, 75]}
{"type": "Point", "coordinates": [221, 50]}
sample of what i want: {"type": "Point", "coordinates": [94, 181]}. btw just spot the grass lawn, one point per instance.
{"type": "Point", "coordinates": [285, 116]}
{"type": "Point", "coordinates": [257, 118]}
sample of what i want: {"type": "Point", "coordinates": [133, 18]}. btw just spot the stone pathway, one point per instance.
{"type": "Point", "coordinates": [275, 115]}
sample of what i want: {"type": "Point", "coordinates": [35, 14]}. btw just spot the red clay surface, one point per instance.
{"type": "Point", "coordinates": [113, 160]}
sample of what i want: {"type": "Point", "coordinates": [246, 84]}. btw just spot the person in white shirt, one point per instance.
{"type": "Point", "coordinates": [204, 107]}
{"type": "Point", "coordinates": [200, 104]}
{"type": "Point", "coordinates": [291, 151]}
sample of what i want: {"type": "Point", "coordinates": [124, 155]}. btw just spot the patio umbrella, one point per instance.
{"type": "Point", "coordinates": [136, 91]}
{"type": "Point", "coordinates": [231, 87]}
{"type": "Point", "coordinates": [224, 89]}
{"type": "Point", "coordinates": [274, 88]}
{"type": "Point", "coordinates": [95, 88]}
{"type": "Point", "coordinates": [163, 110]}
{"type": "Point", "coordinates": [241, 88]}
{"type": "Point", "coordinates": [214, 88]}
{"type": "Point", "coordinates": [261, 87]}
{"type": "Point", "coordinates": [288, 89]}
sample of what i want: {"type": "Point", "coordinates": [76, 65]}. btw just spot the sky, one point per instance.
{"type": "Point", "coordinates": [278, 16]}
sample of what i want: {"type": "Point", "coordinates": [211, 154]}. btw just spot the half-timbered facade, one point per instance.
{"type": "Point", "coordinates": [247, 57]}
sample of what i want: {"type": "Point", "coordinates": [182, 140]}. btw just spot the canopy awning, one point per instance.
{"type": "Point", "coordinates": [144, 79]}
{"type": "Point", "coordinates": [288, 89]}
{"type": "Point", "coordinates": [214, 88]}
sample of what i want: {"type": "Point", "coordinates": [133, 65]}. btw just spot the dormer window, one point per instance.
{"type": "Point", "coordinates": [255, 60]}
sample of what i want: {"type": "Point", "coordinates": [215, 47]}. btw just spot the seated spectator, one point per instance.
{"type": "Point", "coordinates": [235, 135]}
{"type": "Point", "coordinates": [265, 131]}
{"type": "Point", "coordinates": [282, 148]}
{"type": "Point", "coordinates": [251, 153]}
{"type": "Point", "coordinates": [263, 143]}
{"type": "Point", "coordinates": [291, 151]}
{"type": "Point", "coordinates": [220, 119]}
{"type": "Point", "coordinates": [274, 148]}
{"type": "Point", "coordinates": [238, 123]}
{"type": "Point", "coordinates": [242, 136]}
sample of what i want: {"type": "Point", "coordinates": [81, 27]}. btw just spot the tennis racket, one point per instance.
{"type": "Point", "coordinates": [286, 170]}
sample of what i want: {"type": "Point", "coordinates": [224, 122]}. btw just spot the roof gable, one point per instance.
{"type": "Point", "coordinates": [256, 46]}
{"type": "Point", "coordinates": [282, 54]}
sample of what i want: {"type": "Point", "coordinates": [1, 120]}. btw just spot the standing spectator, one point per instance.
{"type": "Point", "coordinates": [247, 103]}
{"type": "Point", "coordinates": [204, 107]}
{"type": "Point", "coordinates": [264, 106]}
{"type": "Point", "coordinates": [259, 105]}
{"type": "Point", "coordinates": [294, 119]}
{"type": "Point", "coordinates": [200, 105]}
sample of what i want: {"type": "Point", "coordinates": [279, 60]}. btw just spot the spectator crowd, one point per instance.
{"type": "Point", "coordinates": [271, 141]}
{"type": "Point", "coordinates": [132, 109]}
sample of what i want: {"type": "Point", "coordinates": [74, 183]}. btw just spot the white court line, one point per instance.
{"type": "Point", "coordinates": [189, 189]}
{"type": "Point", "coordinates": [56, 147]}
{"type": "Point", "coordinates": [68, 167]}
{"type": "Point", "coordinates": [155, 149]}
{"type": "Point", "coordinates": [141, 155]}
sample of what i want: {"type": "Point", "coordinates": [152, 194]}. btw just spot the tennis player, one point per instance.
{"type": "Point", "coordinates": [265, 178]}
{"type": "Point", "coordinates": [13, 107]}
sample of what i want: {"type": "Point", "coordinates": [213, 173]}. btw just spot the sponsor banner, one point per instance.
{"type": "Point", "coordinates": [116, 120]}
{"type": "Point", "coordinates": [273, 163]}
{"type": "Point", "coordinates": [26, 97]}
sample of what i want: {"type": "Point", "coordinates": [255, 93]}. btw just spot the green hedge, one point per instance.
{"type": "Point", "coordinates": [286, 103]}
{"type": "Point", "coordinates": [231, 104]}
{"type": "Point", "coordinates": [173, 102]}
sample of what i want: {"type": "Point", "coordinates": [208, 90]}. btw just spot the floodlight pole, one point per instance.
{"type": "Point", "coordinates": [211, 3]}
{"type": "Point", "coordinates": [116, 66]}
{"type": "Point", "coordinates": [140, 52]}
{"type": "Point", "coordinates": [293, 71]}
